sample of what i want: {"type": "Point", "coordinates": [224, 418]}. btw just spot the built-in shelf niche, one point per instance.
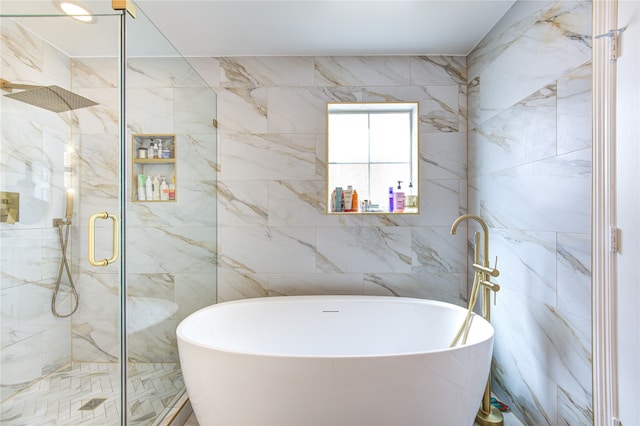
{"type": "Point", "coordinates": [162, 164]}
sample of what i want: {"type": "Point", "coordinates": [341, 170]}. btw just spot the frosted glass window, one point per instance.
{"type": "Point", "coordinates": [372, 146]}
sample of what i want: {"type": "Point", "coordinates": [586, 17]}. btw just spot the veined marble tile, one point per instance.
{"type": "Point", "coordinates": [296, 110]}
{"type": "Point", "coordinates": [518, 19]}
{"type": "Point", "coordinates": [95, 73]}
{"type": "Point", "coordinates": [156, 214]}
{"type": "Point", "coordinates": [303, 203]}
{"type": "Point", "coordinates": [150, 110]}
{"type": "Point", "coordinates": [519, 366]}
{"type": "Point", "coordinates": [526, 261]}
{"type": "Point", "coordinates": [195, 203]}
{"type": "Point", "coordinates": [23, 60]}
{"type": "Point", "coordinates": [364, 249]}
{"type": "Point", "coordinates": [236, 284]}
{"type": "Point", "coordinates": [559, 41]}
{"type": "Point", "coordinates": [268, 156]}
{"type": "Point", "coordinates": [96, 341]}
{"type": "Point", "coordinates": [436, 251]}
{"type": "Point", "coordinates": [267, 71]}
{"type": "Point", "coordinates": [208, 68]}
{"type": "Point", "coordinates": [194, 110]}
{"type": "Point", "coordinates": [154, 344]}
{"type": "Point", "coordinates": [575, 402]}
{"type": "Point", "coordinates": [574, 110]}
{"type": "Point", "coordinates": [56, 347]}
{"type": "Point", "coordinates": [56, 66]}
{"type": "Point", "coordinates": [268, 250]}
{"type": "Point", "coordinates": [314, 284]}
{"type": "Point", "coordinates": [548, 195]}
{"type": "Point", "coordinates": [438, 70]}
{"type": "Point", "coordinates": [443, 156]}
{"type": "Point", "coordinates": [463, 110]}
{"type": "Point", "coordinates": [574, 274]}
{"type": "Point", "coordinates": [242, 110]}
{"type": "Point", "coordinates": [561, 351]}
{"type": "Point", "coordinates": [20, 365]}
{"type": "Point", "coordinates": [196, 156]}
{"type": "Point", "coordinates": [20, 248]}
{"type": "Point", "coordinates": [101, 119]}
{"type": "Point", "coordinates": [159, 286]}
{"type": "Point", "coordinates": [362, 71]}
{"type": "Point", "coordinates": [26, 312]}
{"type": "Point", "coordinates": [160, 72]}
{"type": "Point", "coordinates": [172, 250]}
{"type": "Point", "coordinates": [523, 133]}
{"type": "Point", "coordinates": [321, 156]}
{"type": "Point", "coordinates": [99, 297]}
{"type": "Point", "coordinates": [442, 287]}
{"type": "Point", "coordinates": [193, 292]}
{"type": "Point", "coordinates": [438, 105]}
{"type": "Point", "coordinates": [243, 203]}
{"type": "Point", "coordinates": [439, 202]}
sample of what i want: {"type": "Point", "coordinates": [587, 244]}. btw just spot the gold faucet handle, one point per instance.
{"type": "Point", "coordinates": [486, 269]}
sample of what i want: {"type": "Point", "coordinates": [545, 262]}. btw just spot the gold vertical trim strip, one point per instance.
{"type": "Point", "coordinates": [125, 5]}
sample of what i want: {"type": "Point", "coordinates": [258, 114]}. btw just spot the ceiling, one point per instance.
{"type": "Point", "coordinates": [272, 28]}
{"type": "Point", "coordinates": [334, 27]}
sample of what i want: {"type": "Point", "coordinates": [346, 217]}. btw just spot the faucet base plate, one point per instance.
{"type": "Point", "coordinates": [488, 419]}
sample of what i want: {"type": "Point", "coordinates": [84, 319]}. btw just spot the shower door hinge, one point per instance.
{"type": "Point", "coordinates": [614, 42]}
{"type": "Point", "coordinates": [126, 5]}
{"type": "Point", "coordinates": [615, 239]}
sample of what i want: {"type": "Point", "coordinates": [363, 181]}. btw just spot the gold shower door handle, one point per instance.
{"type": "Point", "coordinates": [92, 239]}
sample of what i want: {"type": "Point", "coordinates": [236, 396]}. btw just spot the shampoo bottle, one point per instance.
{"type": "Point", "coordinates": [141, 185]}
{"type": "Point", "coordinates": [412, 199]}
{"type": "Point", "coordinates": [333, 201]}
{"type": "Point", "coordinates": [398, 199]}
{"type": "Point", "coordinates": [149, 188]}
{"type": "Point", "coordinates": [347, 198]}
{"type": "Point", "coordinates": [354, 201]}
{"type": "Point", "coordinates": [391, 199]}
{"type": "Point", "coordinates": [172, 188]}
{"type": "Point", "coordinates": [339, 203]}
{"type": "Point", "coordinates": [156, 188]}
{"type": "Point", "coordinates": [152, 150]}
{"type": "Point", "coordinates": [164, 190]}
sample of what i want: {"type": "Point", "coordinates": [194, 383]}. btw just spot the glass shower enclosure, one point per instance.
{"type": "Point", "coordinates": [95, 275]}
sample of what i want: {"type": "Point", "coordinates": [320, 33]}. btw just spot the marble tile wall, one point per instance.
{"type": "Point", "coordinates": [530, 177]}
{"type": "Point", "coordinates": [33, 141]}
{"type": "Point", "coordinates": [171, 247]}
{"type": "Point", "coordinates": [274, 235]}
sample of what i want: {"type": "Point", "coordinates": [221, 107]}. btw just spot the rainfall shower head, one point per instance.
{"type": "Point", "coordinates": [52, 98]}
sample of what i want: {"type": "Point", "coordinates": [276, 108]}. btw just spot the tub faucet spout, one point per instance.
{"type": "Point", "coordinates": [485, 231]}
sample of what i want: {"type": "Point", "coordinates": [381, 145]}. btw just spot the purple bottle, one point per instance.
{"type": "Point", "coordinates": [391, 199]}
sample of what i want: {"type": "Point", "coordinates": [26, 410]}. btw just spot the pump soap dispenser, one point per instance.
{"type": "Point", "coordinates": [398, 199]}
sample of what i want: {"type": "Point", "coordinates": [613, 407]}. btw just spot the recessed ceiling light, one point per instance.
{"type": "Point", "coordinates": [76, 12]}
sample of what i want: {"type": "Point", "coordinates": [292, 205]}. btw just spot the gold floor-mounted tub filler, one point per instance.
{"type": "Point", "coordinates": [488, 414]}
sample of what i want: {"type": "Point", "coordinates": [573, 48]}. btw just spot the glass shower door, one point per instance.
{"type": "Point", "coordinates": [171, 239]}
{"type": "Point", "coordinates": [59, 166]}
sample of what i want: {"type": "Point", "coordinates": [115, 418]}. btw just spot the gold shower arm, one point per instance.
{"type": "Point", "coordinates": [8, 87]}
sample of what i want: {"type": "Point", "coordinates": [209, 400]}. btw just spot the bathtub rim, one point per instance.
{"type": "Point", "coordinates": [476, 317]}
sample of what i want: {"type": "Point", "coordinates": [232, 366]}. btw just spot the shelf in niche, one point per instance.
{"type": "Point", "coordinates": [154, 161]}
{"type": "Point", "coordinates": [165, 167]}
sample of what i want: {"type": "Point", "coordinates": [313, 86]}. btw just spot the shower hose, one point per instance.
{"type": "Point", "coordinates": [64, 264]}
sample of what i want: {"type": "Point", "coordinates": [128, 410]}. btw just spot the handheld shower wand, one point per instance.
{"type": "Point", "coordinates": [64, 263]}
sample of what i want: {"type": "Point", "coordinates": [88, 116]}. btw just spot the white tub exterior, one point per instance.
{"type": "Point", "coordinates": [333, 360]}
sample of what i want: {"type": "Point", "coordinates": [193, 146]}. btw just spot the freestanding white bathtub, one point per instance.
{"type": "Point", "coordinates": [333, 360]}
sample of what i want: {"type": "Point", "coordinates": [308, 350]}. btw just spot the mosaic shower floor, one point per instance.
{"type": "Point", "coordinates": [56, 399]}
